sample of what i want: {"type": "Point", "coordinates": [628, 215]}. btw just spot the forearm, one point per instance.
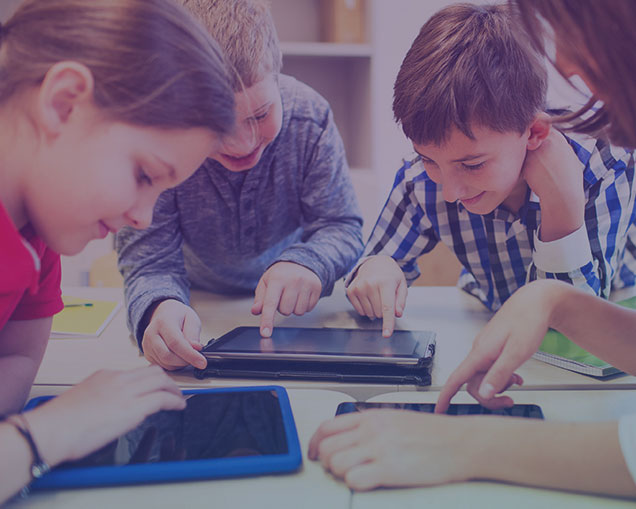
{"type": "Point", "coordinates": [330, 252]}
{"type": "Point", "coordinates": [17, 373]}
{"type": "Point", "coordinates": [15, 462]}
{"type": "Point", "coordinates": [582, 457]}
{"type": "Point", "coordinates": [601, 327]}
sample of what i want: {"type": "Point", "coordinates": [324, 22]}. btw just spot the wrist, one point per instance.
{"type": "Point", "coordinates": [558, 222]}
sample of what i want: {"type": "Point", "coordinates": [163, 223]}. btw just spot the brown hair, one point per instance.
{"type": "Point", "coordinates": [153, 65]}
{"type": "Point", "coordinates": [246, 33]}
{"type": "Point", "coordinates": [466, 68]}
{"type": "Point", "coordinates": [599, 38]}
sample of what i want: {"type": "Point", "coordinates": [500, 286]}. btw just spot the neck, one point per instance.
{"type": "Point", "coordinates": [16, 150]}
{"type": "Point", "coordinates": [516, 198]}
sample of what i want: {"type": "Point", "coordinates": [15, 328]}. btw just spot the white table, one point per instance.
{"type": "Point", "coordinates": [455, 316]}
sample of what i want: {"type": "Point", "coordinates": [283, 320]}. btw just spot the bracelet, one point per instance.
{"type": "Point", "coordinates": [39, 467]}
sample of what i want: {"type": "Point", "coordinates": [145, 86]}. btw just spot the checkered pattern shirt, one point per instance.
{"type": "Point", "coordinates": [500, 251]}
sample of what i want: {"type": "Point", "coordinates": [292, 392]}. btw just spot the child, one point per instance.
{"type": "Point", "coordinates": [514, 199]}
{"type": "Point", "coordinates": [272, 210]}
{"type": "Point", "coordinates": [91, 134]}
{"type": "Point", "coordinates": [551, 454]}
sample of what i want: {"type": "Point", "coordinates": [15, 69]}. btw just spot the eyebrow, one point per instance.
{"type": "Point", "coordinates": [172, 173]}
{"type": "Point", "coordinates": [461, 159]}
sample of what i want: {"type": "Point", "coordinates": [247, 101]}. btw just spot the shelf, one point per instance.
{"type": "Point", "coordinates": [326, 49]}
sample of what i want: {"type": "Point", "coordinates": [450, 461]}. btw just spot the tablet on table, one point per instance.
{"type": "Point", "coordinates": [351, 355]}
{"type": "Point", "coordinates": [221, 433]}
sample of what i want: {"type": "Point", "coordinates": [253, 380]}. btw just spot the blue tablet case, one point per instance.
{"type": "Point", "coordinates": [186, 470]}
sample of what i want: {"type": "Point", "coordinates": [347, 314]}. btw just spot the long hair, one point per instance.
{"type": "Point", "coordinates": [599, 38]}
{"type": "Point", "coordinates": [152, 63]}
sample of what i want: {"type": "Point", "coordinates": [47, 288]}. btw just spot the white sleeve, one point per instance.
{"type": "Point", "coordinates": [627, 439]}
{"type": "Point", "coordinates": [562, 255]}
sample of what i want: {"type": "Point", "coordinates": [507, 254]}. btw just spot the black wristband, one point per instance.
{"type": "Point", "coordinates": [39, 467]}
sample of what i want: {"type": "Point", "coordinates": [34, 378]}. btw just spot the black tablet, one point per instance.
{"type": "Point", "coordinates": [532, 411]}
{"type": "Point", "coordinates": [221, 433]}
{"type": "Point", "coordinates": [325, 345]}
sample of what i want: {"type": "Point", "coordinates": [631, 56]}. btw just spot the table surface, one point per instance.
{"type": "Point", "coordinates": [313, 488]}
{"type": "Point", "coordinates": [455, 316]}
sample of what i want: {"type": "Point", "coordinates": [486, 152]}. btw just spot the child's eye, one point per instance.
{"type": "Point", "coordinates": [142, 177]}
{"type": "Point", "coordinates": [260, 118]}
{"type": "Point", "coordinates": [473, 166]}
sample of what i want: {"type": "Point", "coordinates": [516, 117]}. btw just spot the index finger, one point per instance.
{"type": "Point", "coordinates": [469, 367]}
{"type": "Point", "coordinates": [387, 299]}
{"type": "Point", "coordinates": [270, 305]}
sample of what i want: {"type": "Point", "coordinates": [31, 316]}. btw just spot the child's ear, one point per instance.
{"type": "Point", "coordinates": [539, 130]}
{"type": "Point", "coordinates": [66, 86]}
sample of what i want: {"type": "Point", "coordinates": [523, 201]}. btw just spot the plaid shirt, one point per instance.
{"type": "Point", "coordinates": [500, 251]}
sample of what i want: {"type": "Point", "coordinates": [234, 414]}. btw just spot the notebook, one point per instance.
{"type": "Point", "coordinates": [83, 320]}
{"type": "Point", "coordinates": [558, 350]}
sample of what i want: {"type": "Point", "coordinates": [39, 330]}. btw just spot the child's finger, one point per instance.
{"type": "Point", "coordinates": [400, 298]}
{"type": "Point", "coordinates": [181, 347]}
{"type": "Point", "coordinates": [259, 296]}
{"type": "Point", "coordinates": [302, 302]}
{"type": "Point", "coordinates": [288, 300]}
{"type": "Point", "coordinates": [501, 373]}
{"type": "Point", "coordinates": [387, 295]}
{"type": "Point", "coordinates": [270, 305]}
{"type": "Point", "coordinates": [192, 329]}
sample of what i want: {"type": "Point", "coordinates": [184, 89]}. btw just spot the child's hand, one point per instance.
{"type": "Point", "coordinates": [99, 409]}
{"type": "Point", "coordinates": [392, 448]}
{"type": "Point", "coordinates": [379, 291]}
{"type": "Point", "coordinates": [555, 174]}
{"type": "Point", "coordinates": [172, 336]}
{"type": "Point", "coordinates": [287, 287]}
{"type": "Point", "coordinates": [511, 337]}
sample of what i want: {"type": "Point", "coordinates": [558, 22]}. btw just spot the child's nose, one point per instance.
{"type": "Point", "coordinates": [241, 142]}
{"type": "Point", "coordinates": [140, 216]}
{"type": "Point", "coordinates": [453, 187]}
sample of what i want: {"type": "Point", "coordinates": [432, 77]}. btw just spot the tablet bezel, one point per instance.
{"type": "Point", "coordinates": [347, 407]}
{"type": "Point", "coordinates": [427, 349]}
{"type": "Point", "coordinates": [188, 470]}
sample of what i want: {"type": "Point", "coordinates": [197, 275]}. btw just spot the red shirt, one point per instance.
{"type": "Point", "coordinates": [30, 274]}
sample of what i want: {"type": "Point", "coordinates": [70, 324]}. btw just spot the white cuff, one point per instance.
{"type": "Point", "coordinates": [562, 255]}
{"type": "Point", "coordinates": [627, 440]}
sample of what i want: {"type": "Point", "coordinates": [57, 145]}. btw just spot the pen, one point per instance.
{"type": "Point", "coordinates": [79, 305]}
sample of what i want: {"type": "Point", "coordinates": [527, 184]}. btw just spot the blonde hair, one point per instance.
{"type": "Point", "coordinates": [153, 65]}
{"type": "Point", "coordinates": [599, 37]}
{"type": "Point", "coordinates": [466, 69]}
{"type": "Point", "coordinates": [246, 33]}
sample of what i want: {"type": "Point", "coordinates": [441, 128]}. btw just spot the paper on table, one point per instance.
{"type": "Point", "coordinates": [83, 321]}
{"type": "Point", "coordinates": [558, 350]}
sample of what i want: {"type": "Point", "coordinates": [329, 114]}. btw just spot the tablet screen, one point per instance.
{"type": "Point", "coordinates": [521, 410]}
{"type": "Point", "coordinates": [325, 341]}
{"type": "Point", "coordinates": [213, 425]}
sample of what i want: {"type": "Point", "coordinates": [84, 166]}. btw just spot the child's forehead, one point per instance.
{"type": "Point", "coordinates": [458, 145]}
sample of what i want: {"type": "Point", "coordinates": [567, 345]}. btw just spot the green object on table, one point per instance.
{"type": "Point", "coordinates": [558, 350]}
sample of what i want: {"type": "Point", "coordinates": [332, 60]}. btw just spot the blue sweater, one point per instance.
{"type": "Point", "coordinates": [220, 231]}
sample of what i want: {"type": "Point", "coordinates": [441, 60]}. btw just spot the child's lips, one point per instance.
{"type": "Point", "coordinates": [243, 159]}
{"type": "Point", "coordinates": [473, 200]}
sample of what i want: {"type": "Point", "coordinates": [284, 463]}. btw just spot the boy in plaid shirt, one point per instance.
{"type": "Point", "coordinates": [514, 198]}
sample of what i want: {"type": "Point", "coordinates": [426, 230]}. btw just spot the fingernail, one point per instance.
{"type": "Point", "coordinates": [386, 333]}
{"type": "Point", "coordinates": [266, 332]}
{"type": "Point", "coordinates": [486, 391]}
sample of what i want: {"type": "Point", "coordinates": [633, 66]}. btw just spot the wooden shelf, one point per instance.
{"type": "Point", "coordinates": [326, 49]}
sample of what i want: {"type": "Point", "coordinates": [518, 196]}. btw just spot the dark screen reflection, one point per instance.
{"type": "Point", "coordinates": [322, 341]}
{"type": "Point", "coordinates": [212, 426]}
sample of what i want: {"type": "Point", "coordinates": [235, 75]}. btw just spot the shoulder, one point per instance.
{"type": "Point", "coordinates": [301, 103]}
{"type": "Point", "coordinates": [600, 158]}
